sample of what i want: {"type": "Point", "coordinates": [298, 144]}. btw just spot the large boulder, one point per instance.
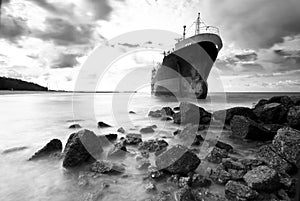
{"type": "Point", "coordinates": [106, 167]}
{"type": "Point", "coordinates": [228, 114]}
{"type": "Point", "coordinates": [193, 114]}
{"type": "Point", "coordinates": [216, 155]}
{"type": "Point", "coordinates": [293, 117]}
{"type": "Point", "coordinates": [178, 160]}
{"type": "Point", "coordinates": [81, 147]}
{"type": "Point", "coordinates": [284, 100]}
{"type": "Point", "coordinates": [118, 150]}
{"type": "Point", "coordinates": [133, 139]}
{"type": "Point", "coordinates": [243, 127]}
{"type": "Point", "coordinates": [271, 113]}
{"type": "Point", "coordinates": [237, 191]}
{"type": "Point", "coordinates": [263, 178]}
{"type": "Point", "coordinates": [167, 111]}
{"type": "Point", "coordinates": [287, 144]}
{"type": "Point", "coordinates": [295, 100]}
{"type": "Point", "coordinates": [219, 175]}
{"type": "Point", "coordinates": [53, 146]}
{"type": "Point", "coordinates": [267, 154]}
{"type": "Point", "coordinates": [101, 124]}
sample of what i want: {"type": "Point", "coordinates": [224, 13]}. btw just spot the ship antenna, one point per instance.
{"type": "Point", "coordinates": [184, 29]}
{"type": "Point", "coordinates": [198, 25]}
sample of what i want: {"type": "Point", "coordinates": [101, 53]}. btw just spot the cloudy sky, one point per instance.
{"type": "Point", "coordinates": [47, 41]}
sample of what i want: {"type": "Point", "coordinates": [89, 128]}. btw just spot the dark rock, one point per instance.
{"type": "Point", "coordinates": [216, 155]}
{"type": "Point", "coordinates": [155, 114]}
{"type": "Point", "coordinates": [176, 108]}
{"type": "Point", "coordinates": [153, 126]}
{"type": "Point", "coordinates": [107, 167]}
{"type": "Point", "coordinates": [178, 160]}
{"type": "Point", "coordinates": [121, 130]}
{"type": "Point", "coordinates": [54, 146]}
{"type": "Point", "coordinates": [243, 127]}
{"type": "Point", "coordinates": [273, 128]}
{"type": "Point", "coordinates": [236, 191]}
{"type": "Point", "coordinates": [176, 132]}
{"type": "Point", "coordinates": [155, 173]}
{"type": "Point", "coordinates": [160, 151]}
{"type": "Point", "coordinates": [271, 113]}
{"type": "Point", "coordinates": [14, 149]}
{"type": "Point", "coordinates": [147, 129]}
{"type": "Point", "coordinates": [190, 113]}
{"type": "Point", "coordinates": [219, 175]}
{"type": "Point", "coordinates": [185, 194]}
{"type": "Point", "coordinates": [177, 118]}
{"type": "Point", "coordinates": [221, 145]}
{"type": "Point", "coordinates": [103, 125]}
{"type": "Point", "coordinates": [166, 119]}
{"type": "Point", "coordinates": [284, 100]}
{"type": "Point", "coordinates": [150, 187]}
{"type": "Point", "coordinates": [295, 100]}
{"type": "Point", "coordinates": [167, 111]}
{"type": "Point", "coordinates": [229, 163]}
{"type": "Point", "coordinates": [165, 196]}
{"type": "Point", "coordinates": [287, 144]}
{"type": "Point", "coordinates": [153, 145]}
{"type": "Point", "coordinates": [132, 112]}
{"type": "Point", "coordinates": [267, 154]}
{"type": "Point", "coordinates": [133, 139]}
{"type": "Point", "coordinates": [81, 147]}
{"type": "Point", "coordinates": [293, 117]}
{"type": "Point", "coordinates": [198, 180]}
{"type": "Point", "coordinates": [250, 163]}
{"type": "Point", "coordinates": [74, 126]}
{"type": "Point", "coordinates": [110, 137]}
{"type": "Point", "coordinates": [228, 114]}
{"type": "Point", "coordinates": [118, 150]}
{"type": "Point", "coordinates": [263, 179]}
{"type": "Point", "coordinates": [204, 195]}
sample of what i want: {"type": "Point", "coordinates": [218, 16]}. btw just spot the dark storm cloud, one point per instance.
{"type": "Point", "coordinates": [247, 56]}
{"type": "Point", "coordinates": [12, 28]}
{"type": "Point", "coordinates": [65, 61]}
{"type": "Point", "coordinates": [256, 23]}
{"type": "Point", "coordinates": [63, 32]}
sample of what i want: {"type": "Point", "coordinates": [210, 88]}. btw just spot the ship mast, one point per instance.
{"type": "Point", "coordinates": [198, 23]}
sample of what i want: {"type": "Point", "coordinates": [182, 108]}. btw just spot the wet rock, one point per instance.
{"type": "Point", "coordinates": [236, 191]}
{"type": "Point", "coordinates": [295, 100]}
{"type": "Point", "coordinates": [108, 137]}
{"type": "Point", "coordinates": [204, 195]}
{"type": "Point", "coordinates": [190, 136]}
{"type": "Point", "coordinates": [178, 160]}
{"type": "Point", "coordinates": [251, 163]}
{"type": "Point", "coordinates": [267, 154]}
{"type": "Point", "coordinates": [147, 129]}
{"type": "Point", "coordinates": [54, 146]}
{"type": "Point", "coordinates": [155, 114]}
{"type": "Point", "coordinates": [263, 179]}
{"type": "Point", "coordinates": [271, 113]}
{"type": "Point", "coordinates": [228, 114]}
{"type": "Point", "coordinates": [219, 175]}
{"type": "Point", "coordinates": [150, 187]}
{"type": "Point", "coordinates": [133, 139]}
{"type": "Point", "coordinates": [177, 118]}
{"type": "Point", "coordinates": [284, 100]}
{"type": "Point", "coordinates": [166, 119]}
{"type": "Point", "coordinates": [176, 108]}
{"type": "Point", "coordinates": [243, 127]}
{"type": "Point", "coordinates": [155, 173]}
{"type": "Point", "coordinates": [293, 117]}
{"type": "Point", "coordinates": [14, 149]}
{"type": "Point", "coordinates": [118, 150]}
{"type": "Point", "coordinates": [81, 147]}
{"type": "Point", "coordinates": [153, 145]}
{"type": "Point", "coordinates": [143, 164]}
{"type": "Point", "coordinates": [160, 151]}
{"type": "Point", "coordinates": [74, 126]}
{"type": "Point", "coordinates": [167, 111]}
{"type": "Point", "coordinates": [106, 167]}
{"type": "Point", "coordinates": [216, 155]}
{"type": "Point", "coordinates": [220, 145]}
{"type": "Point", "coordinates": [177, 132]}
{"type": "Point", "coordinates": [101, 124]}
{"type": "Point", "coordinates": [198, 180]}
{"type": "Point", "coordinates": [273, 128]}
{"type": "Point", "coordinates": [121, 130]}
{"type": "Point", "coordinates": [193, 114]}
{"type": "Point", "coordinates": [165, 196]}
{"type": "Point", "coordinates": [229, 163]}
{"type": "Point", "coordinates": [185, 194]}
{"type": "Point", "coordinates": [132, 112]}
{"type": "Point", "coordinates": [287, 144]}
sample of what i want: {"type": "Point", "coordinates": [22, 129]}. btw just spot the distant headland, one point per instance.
{"type": "Point", "coordinates": [16, 84]}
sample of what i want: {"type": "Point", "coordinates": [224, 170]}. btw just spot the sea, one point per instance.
{"type": "Point", "coordinates": [30, 120]}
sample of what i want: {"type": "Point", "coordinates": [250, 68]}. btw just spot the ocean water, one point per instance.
{"type": "Point", "coordinates": [32, 120]}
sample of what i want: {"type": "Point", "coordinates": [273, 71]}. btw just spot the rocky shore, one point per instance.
{"type": "Point", "coordinates": [269, 174]}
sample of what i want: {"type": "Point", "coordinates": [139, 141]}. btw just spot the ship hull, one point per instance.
{"type": "Point", "coordinates": [185, 71]}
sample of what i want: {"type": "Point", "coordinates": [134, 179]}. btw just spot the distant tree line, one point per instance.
{"type": "Point", "coordinates": [16, 84]}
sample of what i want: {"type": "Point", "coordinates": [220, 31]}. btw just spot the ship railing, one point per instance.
{"type": "Point", "coordinates": [209, 29]}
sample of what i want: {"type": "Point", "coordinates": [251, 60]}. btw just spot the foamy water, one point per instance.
{"type": "Point", "coordinates": [32, 120]}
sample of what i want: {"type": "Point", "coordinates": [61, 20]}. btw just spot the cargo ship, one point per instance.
{"type": "Point", "coordinates": [185, 68]}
